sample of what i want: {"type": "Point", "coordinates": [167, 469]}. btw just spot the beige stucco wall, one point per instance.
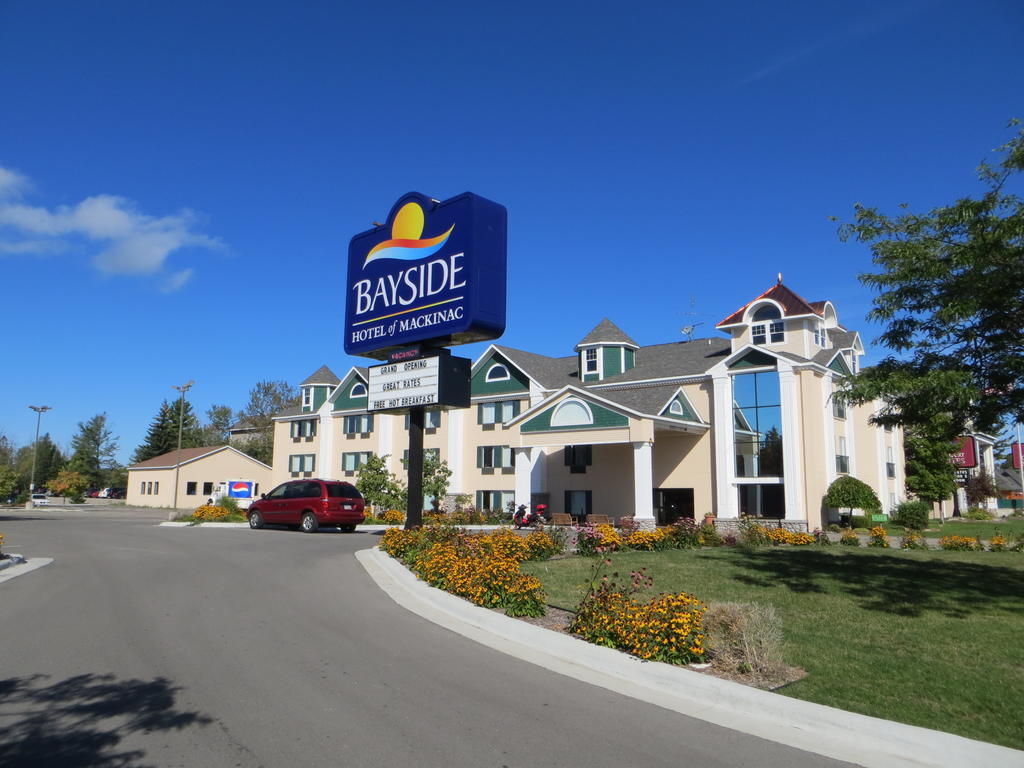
{"type": "Point", "coordinates": [609, 478]}
{"type": "Point", "coordinates": [216, 468]}
{"type": "Point", "coordinates": [686, 461]}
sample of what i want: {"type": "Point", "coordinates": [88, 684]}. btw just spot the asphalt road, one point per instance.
{"type": "Point", "coordinates": [150, 646]}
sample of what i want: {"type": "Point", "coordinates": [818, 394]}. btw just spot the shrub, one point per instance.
{"type": "Point", "coordinates": [849, 538]}
{"type": "Point", "coordinates": [821, 538]}
{"type": "Point", "coordinates": [229, 504]}
{"type": "Point", "coordinates": [834, 528]}
{"type": "Point", "coordinates": [847, 492]}
{"type": "Point", "coordinates": [960, 544]}
{"type": "Point", "coordinates": [977, 513]}
{"type": "Point", "coordinates": [646, 540]}
{"type": "Point", "coordinates": [752, 533]}
{"type": "Point", "coordinates": [483, 568]}
{"type": "Point", "coordinates": [913, 540]}
{"type": "Point", "coordinates": [878, 537]}
{"type": "Point", "coordinates": [745, 639]}
{"type": "Point", "coordinates": [683, 534]}
{"type": "Point", "coordinates": [208, 512]}
{"type": "Point", "coordinates": [393, 517]}
{"type": "Point", "coordinates": [998, 543]}
{"type": "Point", "coordinates": [912, 514]}
{"type": "Point", "coordinates": [596, 539]}
{"type": "Point", "coordinates": [860, 521]}
{"type": "Point", "coordinates": [709, 536]}
{"type": "Point", "coordinates": [541, 545]}
{"type": "Point", "coordinates": [668, 628]}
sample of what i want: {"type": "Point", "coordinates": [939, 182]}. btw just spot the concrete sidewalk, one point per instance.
{"type": "Point", "coordinates": [822, 730]}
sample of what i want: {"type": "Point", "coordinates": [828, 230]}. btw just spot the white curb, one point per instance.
{"type": "Point", "coordinates": [33, 563]}
{"type": "Point", "coordinates": [835, 733]}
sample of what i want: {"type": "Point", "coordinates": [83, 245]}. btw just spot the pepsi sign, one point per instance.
{"type": "Point", "coordinates": [240, 489]}
{"type": "Point", "coordinates": [433, 274]}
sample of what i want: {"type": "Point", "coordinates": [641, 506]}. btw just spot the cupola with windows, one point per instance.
{"type": "Point", "coordinates": [317, 388]}
{"type": "Point", "coordinates": [605, 352]}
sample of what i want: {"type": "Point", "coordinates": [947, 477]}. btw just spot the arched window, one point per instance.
{"type": "Point", "coordinates": [572, 413]}
{"type": "Point", "coordinates": [767, 325]}
{"type": "Point", "coordinates": [497, 372]}
{"type": "Point", "coordinates": [358, 390]}
{"type": "Point", "coordinates": [676, 408]}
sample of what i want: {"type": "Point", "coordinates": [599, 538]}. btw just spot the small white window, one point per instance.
{"type": "Point", "coordinates": [590, 361]}
{"type": "Point", "coordinates": [497, 372]}
{"type": "Point", "coordinates": [358, 390]}
{"type": "Point", "coordinates": [676, 408]}
{"type": "Point", "coordinates": [307, 397]}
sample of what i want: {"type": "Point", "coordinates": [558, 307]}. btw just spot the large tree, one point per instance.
{"type": "Point", "coordinates": [266, 400]}
{"type": "Point", "coordinates": [951, 295]}
{"type": "Point", "coordinates": [930, 473]}
{"type": "Point", "coordinates": [219, 421]}
{"type": "Point", "coordinates": [92, 449]}
{"type": "Point", "coordinates": [48, 460]}
{"type": "Point", "coordinates": [162, 436]}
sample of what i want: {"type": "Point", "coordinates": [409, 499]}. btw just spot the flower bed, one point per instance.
{"type": "Point", "coordinates": [667, 628]}
{"type": "Point", "coordinates": [483, 568]}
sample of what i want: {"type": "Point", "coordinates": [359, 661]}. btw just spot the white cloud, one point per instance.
{"type": "Point", "coordinates": [12, 183]}
{"type": "Point", "coordinates": [130, 242]}
{"type": "Point", "coordinates": [177, 280]}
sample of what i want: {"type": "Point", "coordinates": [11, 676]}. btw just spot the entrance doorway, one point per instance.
{"type": "Point", "coordinates": [670, 504]}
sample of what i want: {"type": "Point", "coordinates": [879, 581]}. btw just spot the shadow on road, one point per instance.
{"type": "Point", "coordinates": [83, 719]}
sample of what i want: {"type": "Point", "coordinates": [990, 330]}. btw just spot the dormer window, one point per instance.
{"type": "Point", "coordinates": [819, 337]}
{"type": "Point", "coordinates": [307, 397]}
{"type": "Point", "coordinates": [767, 327]}
{"type": "Point", "coordinates": [590, 361]}
{"type": "Point", "coordinates": [497, 372]}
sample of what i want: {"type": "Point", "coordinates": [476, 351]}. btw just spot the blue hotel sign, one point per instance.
{"type": "Point", "coordinates": [434, 274]}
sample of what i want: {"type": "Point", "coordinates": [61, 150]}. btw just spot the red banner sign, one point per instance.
{"type": "Point", "coordinates": [966, 454]}
{"type": "Point", "coordinates": [1015, 449]}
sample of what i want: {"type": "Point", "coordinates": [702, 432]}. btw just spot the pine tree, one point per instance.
{"type": "Point", "coordinates": [162, 436]}
{"type": "Point", "coordinates": [93, 449]}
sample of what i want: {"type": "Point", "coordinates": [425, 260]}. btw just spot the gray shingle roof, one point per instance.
{"type": "Point", "coordinates": [841, 339]}
{"type": "Point", "coordinates": [322, 375]}
{"type": "Point", "coordinates": [646, 400]}
{"type": "Point", "coordinates": [292, 410]}
{"type": "Point", "coordinates": [607, 332]}
{"type": "Point", "coordinates": [678, 358]}
{"type": "Point", "coordinates": [549, 372]}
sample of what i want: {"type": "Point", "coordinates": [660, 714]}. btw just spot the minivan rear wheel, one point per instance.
{"type": "Point", "coordinates": [347, 527]}
{"type": "Point", "coordinates": [309, 523]}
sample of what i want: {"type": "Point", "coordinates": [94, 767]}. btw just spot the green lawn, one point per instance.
{"type": "Point", "coordinates": [985, 529]}
{"type": "Point", "coordinates": [929, 638]}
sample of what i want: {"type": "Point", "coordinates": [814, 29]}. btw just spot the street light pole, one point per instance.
{"type": "Point", "coordinates": [40, 410]}
{"type": "Point", "coordinates": [181, 423]}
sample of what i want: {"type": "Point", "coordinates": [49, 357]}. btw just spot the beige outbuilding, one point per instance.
{"type": "Point", "coordinates": [201, 474]}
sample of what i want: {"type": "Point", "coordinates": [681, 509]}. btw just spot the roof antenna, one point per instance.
{"type": "Point", "coordinates": [689, 329]}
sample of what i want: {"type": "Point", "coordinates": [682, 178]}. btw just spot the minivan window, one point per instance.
{"type": "Point", "coordinates": [343, 491]}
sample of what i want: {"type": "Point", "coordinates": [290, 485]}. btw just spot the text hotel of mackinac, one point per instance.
{"type": "Point", "coordinates": [732, 425]}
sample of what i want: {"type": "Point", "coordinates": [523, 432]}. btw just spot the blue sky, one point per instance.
{"type": "Point", "coordinates": [179, 181]}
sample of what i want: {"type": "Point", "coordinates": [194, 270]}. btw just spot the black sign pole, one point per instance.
{"type": "Point", "coordinates": [414, 501]}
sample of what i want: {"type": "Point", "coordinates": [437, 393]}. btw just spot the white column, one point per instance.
{"type": "Point", "coordinates": [830, 430]}
{"type": "Point", "coordinates": [326, 468]}
{"type": "Point", "coordinates": [455, 442]}
{"type": "Point", "coordinates": [383, 426]}
{"type": "Point", "coordinates": [643, 484]}
{"type": "Point", "coordinates": [792, 444]}
{"type": "Point", "coordinates": [525, 460]}
{"type": "Point", "coordinates": [725, 501]}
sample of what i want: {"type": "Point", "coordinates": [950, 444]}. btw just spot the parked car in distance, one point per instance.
{"type": "Point", "coordinates": [40, 500]}
{"type": "Point", "coordinates": [309, 504]}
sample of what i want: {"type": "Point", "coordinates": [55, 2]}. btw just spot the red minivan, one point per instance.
{"type": "Point", "coordinates": [310, 504]}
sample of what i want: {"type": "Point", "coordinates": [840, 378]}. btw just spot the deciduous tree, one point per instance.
{"type": "Point", "coordinates": [951, 295]}
{"type": "Point", "coordinates": [70, 484]}
{"type": "Point", "coordinates": [847, 492]}
{"type": "Point", "coordinates": [379, 485]}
